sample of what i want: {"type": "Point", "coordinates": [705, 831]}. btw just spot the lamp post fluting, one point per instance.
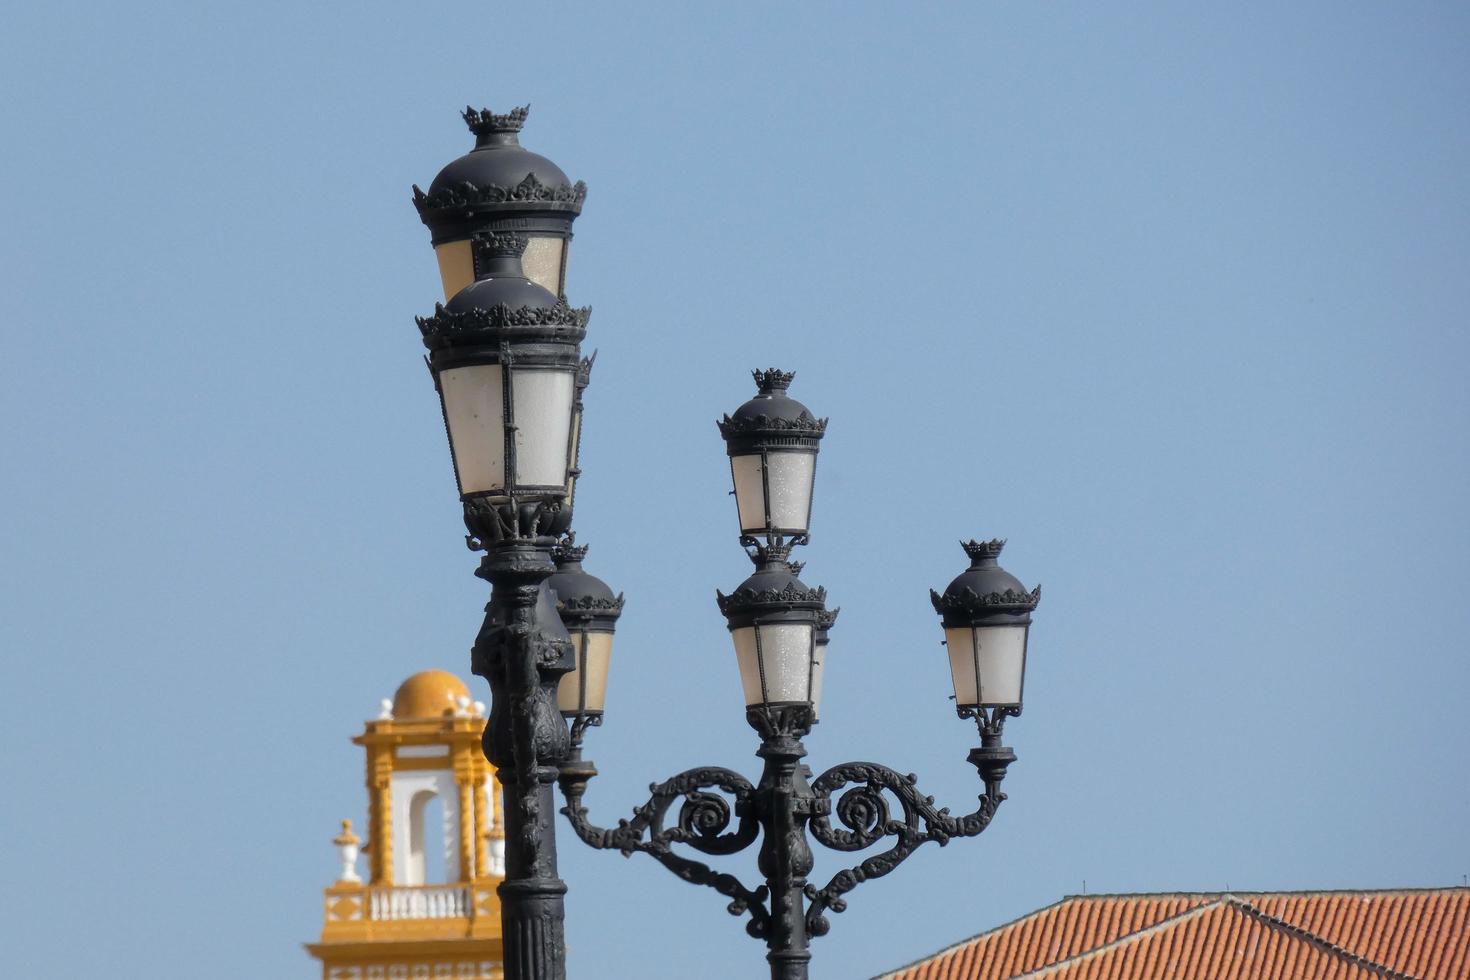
{"type": "Point", "coordinates": [504, 351]}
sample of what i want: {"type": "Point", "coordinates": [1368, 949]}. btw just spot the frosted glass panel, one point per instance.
{"type": "Point", "coordinates": [785, 657]}
{"type": "Point", "coordinates": [594, 656]}
{"type": "Point", "coordinates": [999, 652]}
{"type": "Point", "coordinates": [542, 261]}
{"type": "Point", "coordinates": [819, 663]}
{"type": "Point", "coordinates": [543, 414]}
{"type": "Point", "coordinates": [786, 654]}
{"type": "Point", "coordinates": [750, 672]}
{"type": "Point", "coordinates": [1002, 653]}
{"type": "Point", "coordinates": [474, 406]}
{"type": "Point", "coordinates": [750, 494]}
{"type": "Point", "coordinates": [790, 481]}
{"type": "Point", "coordinates": [959, 641]}
{"type": "Point", "coordinates": [456, 266]}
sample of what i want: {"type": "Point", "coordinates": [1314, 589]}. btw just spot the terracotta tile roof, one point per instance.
{"type": "Point", "coordinates": [1414, 934]}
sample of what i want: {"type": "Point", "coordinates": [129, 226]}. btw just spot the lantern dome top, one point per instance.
{"type": "Point", "coordinates": [498, 159]}
{"type": "Point", "coordinates": [771, 415]}
{"type": "Point", "coordinates": [497, 177]}
{"type": "Point", "coordinates": [773, 587]}
{"type": "Point", "coordinates": [984, 589]}
{"type": "Point", "coordinates": [428, 694]}
{"type": "Point", "coordinates": [578, 591]}
{"type": "Point", "coordinates": [771, 401]}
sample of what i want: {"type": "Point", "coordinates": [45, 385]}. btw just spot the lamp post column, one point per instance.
{"type": "Point", "coordinates": [784, 801]}
{"type": "Point", "coordinates": [523, 651]}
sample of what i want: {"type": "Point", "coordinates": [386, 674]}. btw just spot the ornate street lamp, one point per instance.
{"type": "Point", "coordinates": [778, 626]}
{"type": "Point", "coordinates": [500, 186]}
{"type": "Point", "coordinates": [505, 355]}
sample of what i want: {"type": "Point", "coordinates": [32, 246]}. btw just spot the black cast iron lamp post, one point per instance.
{"type": "Point", "coordinates": [779, 628]}
{"type": "Point", "coordinates": [506, 360]}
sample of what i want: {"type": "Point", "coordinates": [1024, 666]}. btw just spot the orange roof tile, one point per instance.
{"type": "Point", "coordinates": [1417, 934]}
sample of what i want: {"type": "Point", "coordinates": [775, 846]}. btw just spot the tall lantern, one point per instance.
{"type": "Point", "coordinates": [505, 359]}
{"type": "Point", "coordinates": [772, 443]}
{"type": "Point", "coordinates": [986, 614]}
{"type": "Point", "coordinates": [500, 186]}
{"type": "Point", "coordinates": [589, 611]}
{"type": "Point", "coordinates": [773, 619]}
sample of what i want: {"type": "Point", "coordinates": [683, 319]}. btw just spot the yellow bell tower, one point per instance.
{"type": "Point", "coordinates": [435, 848]}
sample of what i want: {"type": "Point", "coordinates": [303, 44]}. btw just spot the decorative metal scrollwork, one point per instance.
{"type": "Point", "coordinates": [865, 812]}
{"type": "Point", "coordinates": [703, 823]}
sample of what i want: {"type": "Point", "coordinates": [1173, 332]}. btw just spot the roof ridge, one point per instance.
{"type": "Point", "coordinates": [1286, 891]}
{"type": "Point", "coordinates": [975, 938]}
{"type": "Point", "coordinates": [1130, 937]}
{"type": "Point", "coordinates": [1312, 937]}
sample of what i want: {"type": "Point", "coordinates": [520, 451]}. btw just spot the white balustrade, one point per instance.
{"type": "Point", "coordinates": [419, 902]}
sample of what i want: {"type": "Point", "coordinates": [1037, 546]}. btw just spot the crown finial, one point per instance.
{"type": "Point", "coordinates": [502, 244]}
{"type": "Point", "coordinates": [770, 554]}
{"type": "Point", "coordinates": [827, 618]}
{"type": "Point", "coordinates": [567, 550]}
{"type": "Point", "coordinates": [482, 122]}
{"type": "Point", "coordinates": [772, 379]}
{"type": "Point", "coordinates": [982, 552]}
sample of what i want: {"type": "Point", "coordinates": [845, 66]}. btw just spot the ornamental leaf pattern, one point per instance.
{"type": "Point", "coordinates": [970, 601]}
{"type": "Point", "coordinates": [446, 324]}
{"type": "Point", "coordinates": [529, 191]}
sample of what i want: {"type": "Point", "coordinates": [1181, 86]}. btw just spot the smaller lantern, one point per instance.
{"type": "Point", "coordinates": [589, 611]}
{"type": "Point", "coordinates": [772, 442]}
{"type": "Point", "coordinates": [986, 614]}
{"type": "Point", "coordinates": [773, 619]}
{"type": "Point", "coordinates": [505, 359]}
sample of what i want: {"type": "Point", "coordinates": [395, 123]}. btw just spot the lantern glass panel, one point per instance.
{"type": "Point", "coordinates": [750, 493]}
{"type": "Point", "coordinates": [775, 666]}
{"type": "Point", "coordinates": [819, 664]}
{"type": "Point", "coordinates": [542, 261]}
{"type": "Point", "coordinates": [543, 414]}
{"type": "Point", "coordinates": [474, 411]}
{"type": "Point", "coordinates": [987, 664]}
{"type": "Point", "coordinates": [594, 657]}
{"type": "Point", "coordinates": [456, 266]}
{"type": "Point", "coordinates": [788, 476]}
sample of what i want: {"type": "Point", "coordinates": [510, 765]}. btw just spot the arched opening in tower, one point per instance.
{"type": "Point", "coordinates": [428, 840]}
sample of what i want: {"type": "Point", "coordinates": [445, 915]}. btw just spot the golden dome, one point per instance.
{"type": "Point", "coordinates": [428, 694]}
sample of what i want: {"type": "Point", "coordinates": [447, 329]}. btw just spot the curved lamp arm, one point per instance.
{"type": "Point", "coordinates": [865, 812]}
{"type": "Point", "coordinates": [703, 820]}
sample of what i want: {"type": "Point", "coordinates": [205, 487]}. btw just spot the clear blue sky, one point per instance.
{"type": "Point", "coordinates": [1173, 298]}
